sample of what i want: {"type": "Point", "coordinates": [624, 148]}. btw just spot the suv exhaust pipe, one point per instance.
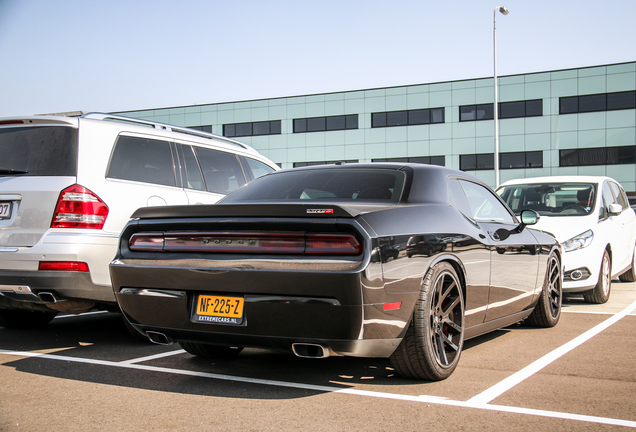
{"type": "Point", "coordinates": [159, 338]}
{"type": "Point", "coordinates": [307, 350]}
{"type": "Point", "coordinates": [48, 297]}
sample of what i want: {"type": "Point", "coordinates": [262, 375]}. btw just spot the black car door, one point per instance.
{"type": "Point", "coordinates": [514, 257]}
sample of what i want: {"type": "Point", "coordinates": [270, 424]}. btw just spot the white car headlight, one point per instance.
{"type": "Point", "coordinates": [578, 242]}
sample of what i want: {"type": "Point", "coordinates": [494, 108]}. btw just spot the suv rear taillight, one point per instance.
{"type": "Point", "coordinates": [78, 207]}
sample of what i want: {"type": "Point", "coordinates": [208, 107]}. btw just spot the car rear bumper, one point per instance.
{"type": "Point", "coordinates": [28, 285]}
{"type": "Point", "coordinates": [280, 309]}
{"type": "Point", "coordinates": [19, 265]}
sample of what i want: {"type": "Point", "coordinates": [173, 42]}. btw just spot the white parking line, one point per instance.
{"type": "Point", "coordinates": [82, 314]}
{"type": "Point", "coordinates": [153, 357]}
{"type": "Point", "coordinates": [514, 379]}
{"type": "Point", "coordinates": [328, 389]}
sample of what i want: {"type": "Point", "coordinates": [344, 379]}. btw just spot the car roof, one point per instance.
{"type": "Point", "coordinates": [134, 125]}
{"type": "Point", "coordinates": [558, 179]}
{"type": "Point", "coordinates": [433, 176]}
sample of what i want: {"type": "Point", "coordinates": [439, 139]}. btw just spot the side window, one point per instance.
{"type": "Point", "coordinates": [484, 205]}
{"type": "Point", "coordinates": [143, 160]}
{"type": "Point", "coordinates": [221, 171]}
{"type": "Point", "coordinates": [194, 179]}
{"type": "Point", "coordinates": [457, 197]}
{"type": "Point", "coordinates": [258, 168]}
{"type": "Point", "coordinates": [619, 195]}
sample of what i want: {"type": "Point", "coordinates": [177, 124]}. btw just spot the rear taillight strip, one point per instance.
{"type": "Point", "coordinates": [63, 266]}
{"type": "Point", "coordinates": [263, 243]}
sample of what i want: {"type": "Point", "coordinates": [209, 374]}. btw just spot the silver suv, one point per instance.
{"type": "Point", "coordinates": [69, 185]}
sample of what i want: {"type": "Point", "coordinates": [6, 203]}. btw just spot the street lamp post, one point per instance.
{"type": "Point", "coordinates": [504, 11]}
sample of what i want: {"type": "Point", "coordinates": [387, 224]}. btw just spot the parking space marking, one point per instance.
{"type": "Point", "coordinates": [593, 312]}
{"type": "Point", "coordinates": [153, 357]}
{"type": "Point", "coordinates": [475, 404]}
{"type": "Point", "coordinates": [514, 379]}
{"type": "Point", "coordinates": [82, 314]}
{"type": "Point", "coordinates": [588, 312]}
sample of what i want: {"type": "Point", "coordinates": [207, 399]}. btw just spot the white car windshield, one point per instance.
{"type": "Point", "coordinates": [550, 199]}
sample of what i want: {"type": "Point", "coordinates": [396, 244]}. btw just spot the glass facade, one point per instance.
{"type": "Point", "coordinates": [565, 122]}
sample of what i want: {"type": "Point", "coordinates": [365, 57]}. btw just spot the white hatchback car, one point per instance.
{"type": "Point", "coordinates": [591, 218]}
{"type": "Point", "coordinates": [69, 185]}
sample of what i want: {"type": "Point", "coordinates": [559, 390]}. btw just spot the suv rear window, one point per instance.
{"type": "Point", "coordinates": [39, 151]}
{"type": "Point", "coordinates": [347, 185]}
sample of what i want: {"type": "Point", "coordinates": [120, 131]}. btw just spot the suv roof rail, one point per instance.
{"type": "Point", "coordinates": [167, 127]}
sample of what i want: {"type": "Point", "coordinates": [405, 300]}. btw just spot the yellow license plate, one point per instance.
{"type": "Point", "coordinates": [218, 309]}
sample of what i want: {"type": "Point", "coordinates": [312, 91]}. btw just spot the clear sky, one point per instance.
{"type": "Point", "coordinates": [120, 55]}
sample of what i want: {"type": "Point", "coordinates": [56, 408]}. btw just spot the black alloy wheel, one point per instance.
{"type": "Point", "coordinates": [434, 339]}
{"type": "Point", "coordinates": [548, 310]}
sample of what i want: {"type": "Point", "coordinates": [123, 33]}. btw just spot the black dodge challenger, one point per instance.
{"type": "Point", "coordinates": [319, 261]}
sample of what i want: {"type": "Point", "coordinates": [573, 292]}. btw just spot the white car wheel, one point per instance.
{"type": "Point", "coordinates": [601, 292]}
{"type": "Point", "coordinates": [630, 275]}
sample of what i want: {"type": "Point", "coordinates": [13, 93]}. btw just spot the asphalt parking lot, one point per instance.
{"type": "Point", "coordinates": [87, 373]}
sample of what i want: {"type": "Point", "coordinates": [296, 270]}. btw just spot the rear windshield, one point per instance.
{"type": "Point", "coordinates": [550, 199]}
{"type": "Point", "coordinates": [38, 151]}
{"type": "Point", "coordinates": [353, 185]}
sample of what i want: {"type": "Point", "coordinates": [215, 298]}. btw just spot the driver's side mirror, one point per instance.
{"type": "Point", "coordinates": [529, 217]}
{"type": "Point", "coordinates": [615, 209]}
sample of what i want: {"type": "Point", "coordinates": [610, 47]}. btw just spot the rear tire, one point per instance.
{"type": "Point", "coordinates": [548, 310]}
{"type": "Point", "coordinates": [24, 319]}
{"type": "Point", "coordinates": [630, 275]}
{"type": "Point", "coordinates": [434, 339]}
{"type": "Point", "coordinates": [211, 351]}
{"type": "Point", "coordinates": [601, 292]}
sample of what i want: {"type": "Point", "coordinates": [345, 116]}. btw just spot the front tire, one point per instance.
{"type": "Point", "coordinates": [211, 351]}
{"type": "Point", "coordinates": [434, 339]}
{"type": "Point", "coordinates": [601, 292]}
{"type": "Point", "coordinates": [548, 310]}
{"type": "Point", "coordinates": [630, 275]}
{"type": "Point", "coordinates": [24, 319]}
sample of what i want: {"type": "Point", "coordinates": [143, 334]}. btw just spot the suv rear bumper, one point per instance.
{"type": "Point", "coordinates": [19, 266]}
{"type": "Point", "coordinates": [25, 286]}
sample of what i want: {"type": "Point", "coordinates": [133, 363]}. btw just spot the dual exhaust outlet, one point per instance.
{"type": "Point", "coordinates": [302, 350]}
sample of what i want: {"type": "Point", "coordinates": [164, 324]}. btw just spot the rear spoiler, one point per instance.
{"type": "Point", "coordinates": [315, 209]}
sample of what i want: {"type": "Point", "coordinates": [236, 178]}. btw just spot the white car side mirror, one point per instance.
{"type": "Point", "coordinates": [615, 209]}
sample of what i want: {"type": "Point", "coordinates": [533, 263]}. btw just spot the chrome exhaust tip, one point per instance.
{"type": "Point", "coordinates": [159, 338]}
{"type": "Point", "coordinates": [307, 350]}
{"type": "Point", "coordinates": [48, 297]}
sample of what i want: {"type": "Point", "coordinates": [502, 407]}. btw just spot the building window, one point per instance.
{"type": "Point", "coordinates": [597, 156]}
{"type": "Point", "coordinates": [322, 124]}
{"type": "Point", "coordinates": [304, 164]}
{"type": "Point", "coordinates": [476, 162]}
{"type": "Point", "coordinates": [506, 110]}
{"type": "Point", "coordinates": [597, 102]}
{"type": "Point", "coordinates": [430, 160]}
{"type": "Point", "coordinates": [515, 160]}
{"type": "Point", "coordinates": [252, 129]}
{"type": "Point", "coordinates": [207, 128]}
{"type": "Point", "coordinates": [407, 118]}
{"type": "Point", "coordinates": [512, 160]}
